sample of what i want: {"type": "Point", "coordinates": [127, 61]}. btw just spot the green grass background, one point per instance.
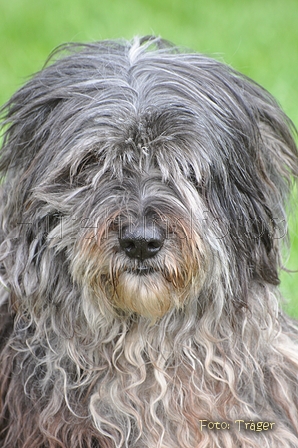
{"type": "Point", "coordinates": [257, 37]}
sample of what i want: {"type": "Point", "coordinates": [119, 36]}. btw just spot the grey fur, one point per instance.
{"type": "Point", "coordinates": [111, 350]}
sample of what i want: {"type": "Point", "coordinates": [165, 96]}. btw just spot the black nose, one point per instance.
{"type": "Point", "coordinates": [142, 242]}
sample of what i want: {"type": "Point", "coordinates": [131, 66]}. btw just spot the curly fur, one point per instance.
{"type": "Point", "coordinates": [100, 350]}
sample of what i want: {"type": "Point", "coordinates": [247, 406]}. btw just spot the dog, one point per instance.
{"type": "Point", "coordinates": [142, 216]}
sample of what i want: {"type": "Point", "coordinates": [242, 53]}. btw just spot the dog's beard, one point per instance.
{"type": "Point", "coordinates": [150, 288]}
{"type": "Point", "coordinates": [145, 294]}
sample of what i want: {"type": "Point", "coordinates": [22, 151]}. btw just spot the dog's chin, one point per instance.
{"type": "Point", "coordinates": [147, 293]}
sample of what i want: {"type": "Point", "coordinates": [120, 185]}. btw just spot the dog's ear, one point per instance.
{"type": "Point", "coordinates": [33, 116]}
{"type": "Point", "coordinates": [277, 170]}
{"type": "Point", "coordinates": [28, 117]}
{"type": "Point", "coordinates": [253, 165]}
{"type": "Point", "coordinates": [275, 157]}
{"type": "Point", "coordinates": [277, 148]}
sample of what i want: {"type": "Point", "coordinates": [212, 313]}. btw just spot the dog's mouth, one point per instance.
{"type": "Point", "coordinates": [141, 270]}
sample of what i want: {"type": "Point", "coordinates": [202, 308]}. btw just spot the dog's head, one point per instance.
{"type": "Point", "coordinates": [145, 179]}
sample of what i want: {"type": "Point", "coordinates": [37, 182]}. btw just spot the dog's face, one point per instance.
{"type": "Point", "coordinates": [141, 249]}
{"type": "Point", "coordinates": [148, 180]}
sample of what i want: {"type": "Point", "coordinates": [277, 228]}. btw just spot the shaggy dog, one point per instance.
{"type": "Point", "coordinates": [142, 211]}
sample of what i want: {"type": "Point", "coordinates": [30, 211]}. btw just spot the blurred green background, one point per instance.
{"type": "Point", "coordinates": [257, 37]}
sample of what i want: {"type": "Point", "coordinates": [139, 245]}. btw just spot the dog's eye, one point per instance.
{"type": "Point", "coordinates": [114, 224]}
{"type": "Point", "coordinates": [87, 161]}
{"type": "Point", "coordinates": [198, 185]}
